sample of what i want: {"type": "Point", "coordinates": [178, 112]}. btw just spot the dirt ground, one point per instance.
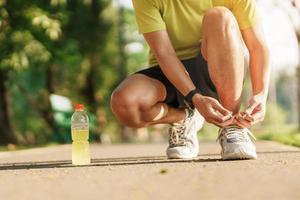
{"type": "Point", "coordinates": [141, 171]}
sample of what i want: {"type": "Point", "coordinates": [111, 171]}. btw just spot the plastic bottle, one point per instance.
{"type": "Point", "coordinates": [80, 137]}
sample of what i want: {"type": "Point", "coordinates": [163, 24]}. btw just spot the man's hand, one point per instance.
{"type": "Point", "coordinates": [212, 111]}
{"type": "Point", "coordinates": [254, 113]}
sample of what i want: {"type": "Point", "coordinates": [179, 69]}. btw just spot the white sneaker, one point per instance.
{"type": "Point", "coordinates": [236, 143]}
{"type": "Point", "coordinates": [183, 141]}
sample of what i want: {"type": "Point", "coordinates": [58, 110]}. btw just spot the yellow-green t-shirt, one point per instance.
{"type": "Point", "coordinates": [183, 20]}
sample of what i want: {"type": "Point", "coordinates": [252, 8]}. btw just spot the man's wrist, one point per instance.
{"type": "Point", "coordinates": [189, 97]}
{"type": "Point", "coordinates": [263, 94]}
{"type": "Point", "coordinates": [196, 98]}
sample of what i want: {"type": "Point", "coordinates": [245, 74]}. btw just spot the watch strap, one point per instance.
{"type": "Point", "coordinates": [188, 98]}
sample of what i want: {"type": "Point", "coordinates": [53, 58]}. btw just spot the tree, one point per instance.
{"type": "Point", "coordinates": [24, 28]}
{"type": "Point", "coordinates": [66, 47]}
{"type": "Point", "coordinates": [292, 8]}
{"type": "Point", "coordinates": [295, 16]}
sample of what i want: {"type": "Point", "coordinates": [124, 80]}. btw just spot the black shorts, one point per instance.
{"type": "Point", "coordinates": [198, 71]}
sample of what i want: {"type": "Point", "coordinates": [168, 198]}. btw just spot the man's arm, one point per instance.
{"type": "Point", "coordinates": [260, 75]}
{"type": "Point", "coordinates": [259, 60]}
{"type": "Point", "coordinates": [174, 70]}
{"type": "Point", "coordinates": [171, 66]}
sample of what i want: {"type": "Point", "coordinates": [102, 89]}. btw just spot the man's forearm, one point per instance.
{"type": "Point", "coordinates": [171, 66]}
{"type": "Point", "coordinates": [260, 70]}
{"type": "Point", "coordinates": [174, 70]}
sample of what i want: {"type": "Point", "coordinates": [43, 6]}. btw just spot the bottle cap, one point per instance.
{"type": "Point", "coordinates": [79, 107]}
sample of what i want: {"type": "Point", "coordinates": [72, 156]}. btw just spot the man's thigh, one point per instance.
{"type": "Point", "coordinates": [141, 89]}
{"type": "Point", "coordinates": [155, 73]}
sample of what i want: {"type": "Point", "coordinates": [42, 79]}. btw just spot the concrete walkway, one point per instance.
{"type": "Point", "coordinates": [141, 171]}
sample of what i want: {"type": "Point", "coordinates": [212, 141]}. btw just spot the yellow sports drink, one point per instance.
{"type": "Point", "coordinates": [80, 137]}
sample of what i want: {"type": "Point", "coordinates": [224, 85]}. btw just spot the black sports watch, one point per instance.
{"type": "Point", "coordinates": [188, 98]}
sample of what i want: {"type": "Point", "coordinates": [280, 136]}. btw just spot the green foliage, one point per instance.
{"type": "Point", "coordinates": [284, 134]}
{"type": "Point", "coordinates": [275, 115]}
{"type": "Point", "coordinates": [66, 47]}
{"type": "Point", "coordinates": [72, 48]}
{"type": "Point", "coordinates": [44, 45]}
{"type": "Point", "coordinates": [208, 132]}
{"type": "Point", "coordinates": [285, 98]}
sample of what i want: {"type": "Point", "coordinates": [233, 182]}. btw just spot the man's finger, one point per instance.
{"type": "Point", "coordinates": [227, 123]}
{"type": "Point", "coordinates": [243, 123]}
{"type": "Point", "coordinates": [251, 107]}
{"type": "Point", "coordinates": [212, 121]}
{"type": "Point", "coordinates": [221, 125]}
{"type": "Point", "coordinates": [249, 118]}
{"type": "Point", "coordinates": [258, 117]}
{"type": "Point", "coordinates": [217, 116]}
{"type": "Point", "coordinates": [255, 117]}
{"type": "Point", "coordinates": [217, 106]}
{"type": "Point", "coordinates": [224, 118]}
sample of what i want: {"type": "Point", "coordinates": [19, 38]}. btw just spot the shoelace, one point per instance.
{"type": "Point", "coordinates": [177, 135]}
{"type": "Point", "coordinates": [235, 131]}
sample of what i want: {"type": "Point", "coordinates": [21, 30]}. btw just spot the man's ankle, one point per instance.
{"type": "Point", "coordinates": [183, 116]}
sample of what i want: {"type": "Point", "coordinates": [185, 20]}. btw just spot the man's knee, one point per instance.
{"type": "Point", "coordinates": [120, 99]}
{"type": "Point", "coordinates": [220, 17]}
{"type": "Point", "coordinates": [125, 107]}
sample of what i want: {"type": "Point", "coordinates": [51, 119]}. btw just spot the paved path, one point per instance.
{"type": "Point", "coordinates": [142, 172]}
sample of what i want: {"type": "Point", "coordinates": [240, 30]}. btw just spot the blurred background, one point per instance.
{"type": "Point", "coordinates": [56, 53]}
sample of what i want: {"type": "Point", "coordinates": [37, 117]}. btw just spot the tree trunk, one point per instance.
{"type": "Point", "coordinates": [122, 43]}
{"type": "Point", "coordinates": [125, 132]}
{"type": "Point", "coordinates": [50, 78]}
{"type": "Point", "coordinates": [40, 107]}
{"type": "Point", "coordinates": [7, 134]}
{"type": "Point", "coordinates": [46, 110]}
{"type": "Point", "coordinates": [42, 104]}
{"type": "Point", "coordinates": [90, 94]}
{"type": "Point", "coordinates": [89, 90]}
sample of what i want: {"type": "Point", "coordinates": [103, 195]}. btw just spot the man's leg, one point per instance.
{"type": "Point", "coordinates": [136, 102]}
{"type": "Point", "coordinates": [221, 47]}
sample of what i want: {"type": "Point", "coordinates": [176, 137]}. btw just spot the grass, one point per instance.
{"type": "Point", "coordinates": [285, 134]}
{"type": "Point", "coordinates": [292, 138]}
{"type": "Point", "coordinates": [289, 139]}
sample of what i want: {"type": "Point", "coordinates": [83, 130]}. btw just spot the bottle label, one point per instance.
{"type": "Point", "coordinates": [79, 126]}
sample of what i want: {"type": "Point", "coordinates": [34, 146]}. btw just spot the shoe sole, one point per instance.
{"type": "Point", "coordinates": [239, 154]}
{"type": "Point", "coordinates": [177, 156]}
